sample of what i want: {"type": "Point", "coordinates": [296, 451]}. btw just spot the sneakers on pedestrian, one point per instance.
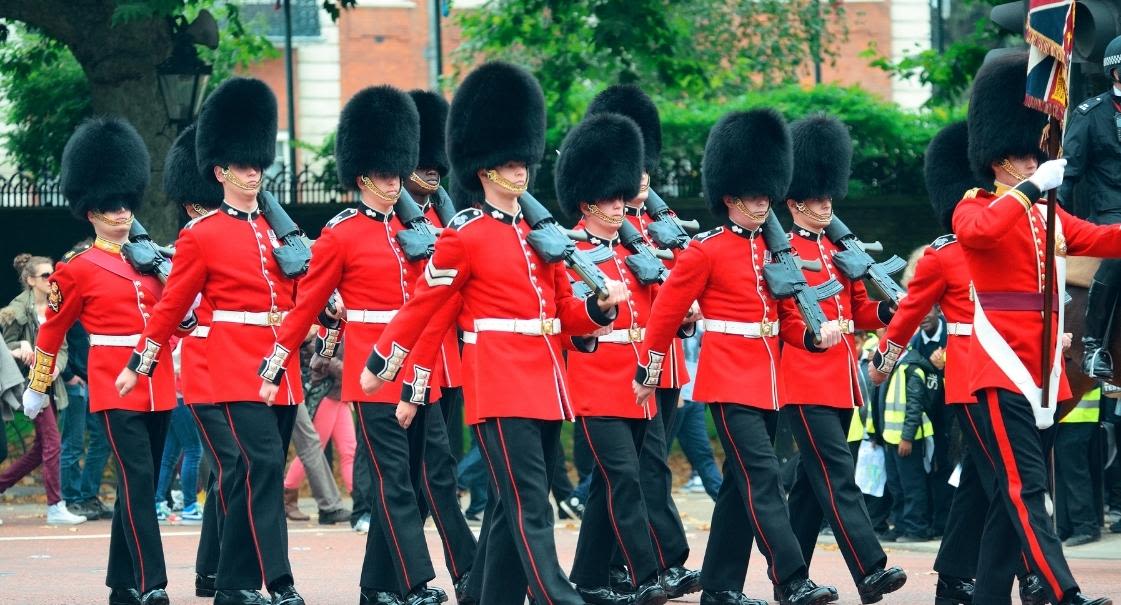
{"type": "Point", "coordinates": [164, 514]}
{"type": "Point", "coordinates": [362, 526]}
{"type": "Point", "coordinates": [570, 508]}
{"type": "Point", "coordinates": [694, 485]}
{"type": "Point", "coordinates": [191, 515]}
{"type": "Point", "coordinates": [93, 509]}
{"type": "Point", "coordinates": [912, 538]}
{"type": "Point", "coordinates": [331, 517]}
{"type": "Point", "coordinates": [176, 499]}
{"type": "Point", "coordinates": [58, 514]}
{"type": "Point", "coordinates": [1080, 539]}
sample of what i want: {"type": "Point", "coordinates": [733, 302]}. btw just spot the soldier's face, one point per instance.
{"type": "Point", "coordinates": [605, 216]}
{"type": "Point", "coordinates": [111, 224]}
{"type": "Point", "coordinates": [813, 213]}
{"type": "Point", "coordinates": [389, 183]}
{"type": "Point", "coordinates": [431, 176]}
{"type": "Point", "coordinates": [749, 212]}
{"type": "Point", "coordinates": [643, 191]}
{"type": "Point", "coordinates": [239, 182]}
{"type": "Point", "coordinates": [515, 172]}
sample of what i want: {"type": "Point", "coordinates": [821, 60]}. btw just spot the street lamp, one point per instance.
{"type": "Point", "coordinates": [183, 76]}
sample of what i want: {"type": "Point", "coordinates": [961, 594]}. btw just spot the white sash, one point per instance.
{"type": "Point", "coordinates": [1013, 367]}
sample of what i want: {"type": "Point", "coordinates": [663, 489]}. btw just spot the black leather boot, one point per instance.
{"type": "Point", "coordinates": [204, 584]}
{"type": "Point", "coordinates": [1078, 599]}
{"type": "Point", "coordinates": [240, 597]}
{"type": "Point", "coordinates": [953, 591]}
{"type": "Point", "coordinates": [729, 597]}
{"type": "Point", "coordinates": [875, 585]}
{"type": "Point", "coordinates": [603, 595]}
{"type": "Point", "coordinates": [1031, 590]}
{"type": "Point", "coordinates": [679, 581]}
{"type": "Point", "coordinates": [1096, 360]}
{"type": "Point", "coordinates": [124, 596]}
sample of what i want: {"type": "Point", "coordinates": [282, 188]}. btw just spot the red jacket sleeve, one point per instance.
{"type": "Point", "coordinates": [792, 327]}
{"type": "Point", "coordinates": [578, 316]}
{"type": "Point", "coordinates": [868, 314]}
{"type": "Point", "coordinates": [925, 289]}
{"type": "Point", "coordinates": [315, 288]}
{"type": "Point", "coordinates": [686, 282]}
{"type": "Point", "coordinates": [427, 350]}
{"type": "Point", "coordinates": [64, 306]}
{"type": "Point", "coordinates": [981, 224]}
{"type": "Point", "coordinates": [1087, 239]}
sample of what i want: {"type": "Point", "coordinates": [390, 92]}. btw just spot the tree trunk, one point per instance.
{"type": "Point", "coordinates": [120, 63]}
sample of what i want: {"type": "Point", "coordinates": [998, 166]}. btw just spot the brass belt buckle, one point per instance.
{"type": "Point", "coordinates": [634, 334]}
{"type": "Point", "coordinates": [275, 318]}
{"type": "Point", "coordinates": [547, 327]}
{"type": "Point", "coordinates": [766, 329]}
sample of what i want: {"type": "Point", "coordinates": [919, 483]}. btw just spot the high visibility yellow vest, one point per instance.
{"type": "Point", "coordinates": [895, 408]}
{"type": "Point", "coordinates": [1087, 410]}
{"type": "Point", "coordinates": [856, 431]}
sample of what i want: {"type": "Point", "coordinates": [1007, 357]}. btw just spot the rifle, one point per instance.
{"type": "Point", "coordinates": [293, 255]}
{"type": "Point", "coordinates": [144, 255]}
{"type": "Point", "coordinates": [554, 246]}
{"type": "Point", "coordinates": [855, 263]}
{"type": "Point", "coordinates": [418, 241]}
{"type": "Point", "coordinates": [646, 267]}
{"type": "Point", "coordinates": [667, 231]}
{"type": "Point", "coordinates": [445, 207]}
{"type": "Point", "coordinates": [785, 279]}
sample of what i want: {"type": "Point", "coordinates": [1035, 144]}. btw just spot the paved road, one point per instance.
{"type": "Point", "coordinates": [42, 565]}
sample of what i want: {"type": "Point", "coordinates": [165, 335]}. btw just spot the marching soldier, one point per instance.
{"type": "Point", "coordinates": [667, 530]}
{"type": "Point", "coordinates": [1092, 147]}
{"type": "Point", "coordinates": [440, 488]}
{"type": "Point", "coordinates": [105, 169]}
{"type": "Point", "coordinates": [600, 166]}
{"type": "Point", "coordinates": [226, 258]}
{"type": "Point", "coordinates": [358, 254]}
{"type": "Point", "coordinates": [942, 278]}
{"type": "Point", "coordinates": [819, 418]}
{"type": "Point", "coordinates": [737, 374]}
{"type": "Point", "coordinates": [1001, 234]}
{"type": "Point", "coordinates": [519, 305]}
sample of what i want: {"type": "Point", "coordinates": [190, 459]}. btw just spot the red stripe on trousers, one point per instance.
{"type": "Point", "coordinates": [610, 502]}
{"type": "Point", "coordinates": [128, 503]}
{"type": "Point", "coordinates": [248, 495]}
{"type": "Point", "coordinates": [436, 515]}
{"type": "Point", "coordinates": [750, 505]}
{"type": "Point", "coordinates": [384, 506]}
{"type": "Point", "coordinates": [518, 502]}
{"type": "Point", "coordinates": [213, 452]}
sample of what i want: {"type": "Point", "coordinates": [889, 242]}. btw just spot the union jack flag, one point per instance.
{"type": "Point", "coordinates": [1050, 32]}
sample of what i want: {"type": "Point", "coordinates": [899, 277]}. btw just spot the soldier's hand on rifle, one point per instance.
{"type": "Point", "coordinates": [877, 377]}
{"type": "Point", "coordinates": [641, 392]}
{"type": "Point", "coordinates": [616, 293]}
{"type": "Point", "coordinates": [126, 381]}
{"type": "Point", "coordinates": [369, 381]}
{"type": "Point", "coordinates": [830, 334]}
{"type": "Point", "coordinates": [1049, 175]}
{"type": "Point", "coordinates": [406, 411]}
{"type": "Point", "coordinates": [268, 392]}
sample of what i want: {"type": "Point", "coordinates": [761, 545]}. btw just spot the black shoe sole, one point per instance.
{"type": "Point", "coordinates": [822, 599]}
{"type": "Point", "coordinates": [951, 601]}
{"type": "Point", "coordinates": [887, 588]}
{"type": "Point", "coordinates": [673, 596]}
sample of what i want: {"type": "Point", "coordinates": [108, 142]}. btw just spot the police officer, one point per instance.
{"type": "Point", "coordinates": [105, 169]}
{"type": "Point", "coordinates": [1092, 147]}
{"type": "Point", "coordinates": [1002, 238]}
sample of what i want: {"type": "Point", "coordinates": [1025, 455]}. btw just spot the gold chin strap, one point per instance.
{"type": "Point", "coordinates": [644, 184]}
{"type": "Point", "coordinates": [1010, 169]}
{"type": "Point", "coordinates": [200, 210]}
{"type": "Point", "coordinates": [113, 222]}
{"type": "Point", "coordinates": [756, 217]}
{"type": "Point", "coordinates": [423, 184]}
{"type": "Point", "coordinates": [603, 216]}
{"type": "Point", "coordinates": [503, 182]}
{"type": "Point", "coordinates": [374, 189]}
{"type": "Point", "coordinates": [240, 184]}
{"type": "Point", "coordinates": [821, 218]}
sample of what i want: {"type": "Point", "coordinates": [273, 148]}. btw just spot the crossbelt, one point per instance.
{"type": "Point", "coordinates": [249, 318]}
{"type": "Point", "coordinates": [742, 328]}
{"type": "Point", "coordinates": [370, 317]}
{"type": "Point", "coordinates": [624, 337]}
{"type": "Point", "coordinates": [113, 340]}
{"type": "Point", "coordinates": [529, 327]}
{"type": "Point", "coordinates": [959, 329]}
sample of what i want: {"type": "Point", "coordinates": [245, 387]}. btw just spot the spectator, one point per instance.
{"type": "Point", "coordinates": [20, 323]}
{"type": "Point", "coordinates": [871, 417]}
{"type": "Point", "coordinates": [472, 474]}
{"type": "Point", "coordinates": [1075, 442]}
{"type": "Point", "coordinates": [689, 427]}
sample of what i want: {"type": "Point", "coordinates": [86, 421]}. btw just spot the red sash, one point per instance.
{"type": "Point", "coordinates": [119, 266]}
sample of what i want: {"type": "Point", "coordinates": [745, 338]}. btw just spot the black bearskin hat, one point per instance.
{"type": "Point", "coordinates": [237, 126]}
{"type": "Point", "coordinates": [1000, 125]}
{"type": "Point", "coordinates": [632, 102]}
{"type": "Point", "coordinates": [600, 159]}
{"type": "Point", "coordinates": [379, 131]}
{"type": "Point", "coordinates": [181, 179]}
{"type": "Point", "coordinates": [822, 159]}
{"type": "Point", "coordinates": [947, 171]}
{"type": "Point", "coordinates": [105, 166]}
{"type": "Point", "coordinates": [497, 115]}
{"type": "Point", "coordinates": [748, 154]}
{"type": "Point", "coordinates": [433, 110]}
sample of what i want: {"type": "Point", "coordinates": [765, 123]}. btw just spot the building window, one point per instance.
{"type": "Point", "coordinates": [267, 17]}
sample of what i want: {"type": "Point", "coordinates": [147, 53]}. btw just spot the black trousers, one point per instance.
{"type": "Point", "coordinates": [135, 549]}
{"type": "Point", "coordinates": [397, 557]}
{"type": "Point", "coordinates": [451, 408]}
{"type": "Point", "coordinates": [362, 490]}
{"type": "Point", "coordinates": [666, 529]}
{"type": "Point", "coordinates": [521, 549]}
{"type": "Point", "coordinates": [615, 510]}
{"type": "Point", "coordinates": [222, 457]}
{"type": "Point", "coordinates": [474, 587]}
{"type": "Point", "coordinates": [824, 485]}
{"type": "Point", "coordinates": [255, 533]}
{"type": "Point", "coordinates": [1074, 494]}
{"type": "Point", "coordinates": [1017, 520]}
{"type": "Point", "coordinates": [910, 490]}
{"type": "Point", "coordinates": [438, 493]}
{"type": "Point", "coordinates": [750, 504]}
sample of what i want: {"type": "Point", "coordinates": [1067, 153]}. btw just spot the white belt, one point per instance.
{"type": "Point", "coordinates": [201, 332]}
{"type": "Point", "coordinates": [107, 340]}
{"type": "Point", "coordinates": [250, 318]}
{"type": "Point", "coordinates": [959, 329]}
{"type": "Point", "coordinates": [363, 316]}
{"type": "Point", "coordinates": [531, 327]}
{"type": "Point", "coordinates": [470, 338]}
{"type": "Point", "coordinates": [624, 337]}
{"type": "Point", "coordinates": [742, 328]}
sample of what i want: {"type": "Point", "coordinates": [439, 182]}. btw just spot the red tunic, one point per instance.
{"type": "Point", "coordinates": [485, 258]}
{"type": "Point", "coordinates": [227, 256]}
{"type": "Point", "coordinates": [722, 269]}
{"type": "Point", "coordinates": [830, 378]}
{"type": "Point", "coordinates": [194, 373]}
{"type": "Point", "coordinates": [942, 278]}
{"type": "Point", "coordinates": [104, 292]}
{"type": "Point", "coordinates": [601, 380]}
{"type": "Point", "coordinates": [450, 363]}
{"type": "Point", "coordinates": [357, 253]}
{"type": "Point", "coordinates": [1003, 248]}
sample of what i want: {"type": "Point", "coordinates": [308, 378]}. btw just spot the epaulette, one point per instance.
{"type": "Point", "coordinates": [342, 216]}
{"type": "Point", "coordinates": [972, 193]}
{"type": "Point", "coordinates": [72, 254]}
{"type": "Point", "coordinates": [464, 217]}
{"type": "Point", "coordinates": [1085, 106]}
{"type": "Point", "coordinates": [702, 236]}
{"type": "Point", "coordinates": [943, 241]}
{"type": "Point", "coordinates": [195, 221]}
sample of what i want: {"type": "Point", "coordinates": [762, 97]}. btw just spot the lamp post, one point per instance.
{"type": "Point", "coordinates": [182, 80]}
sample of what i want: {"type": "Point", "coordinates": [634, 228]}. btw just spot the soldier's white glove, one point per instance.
{"type": "Point", "coordinates": [34, 402]}
{"type": "Point", "coordinates": [1049, 175]}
